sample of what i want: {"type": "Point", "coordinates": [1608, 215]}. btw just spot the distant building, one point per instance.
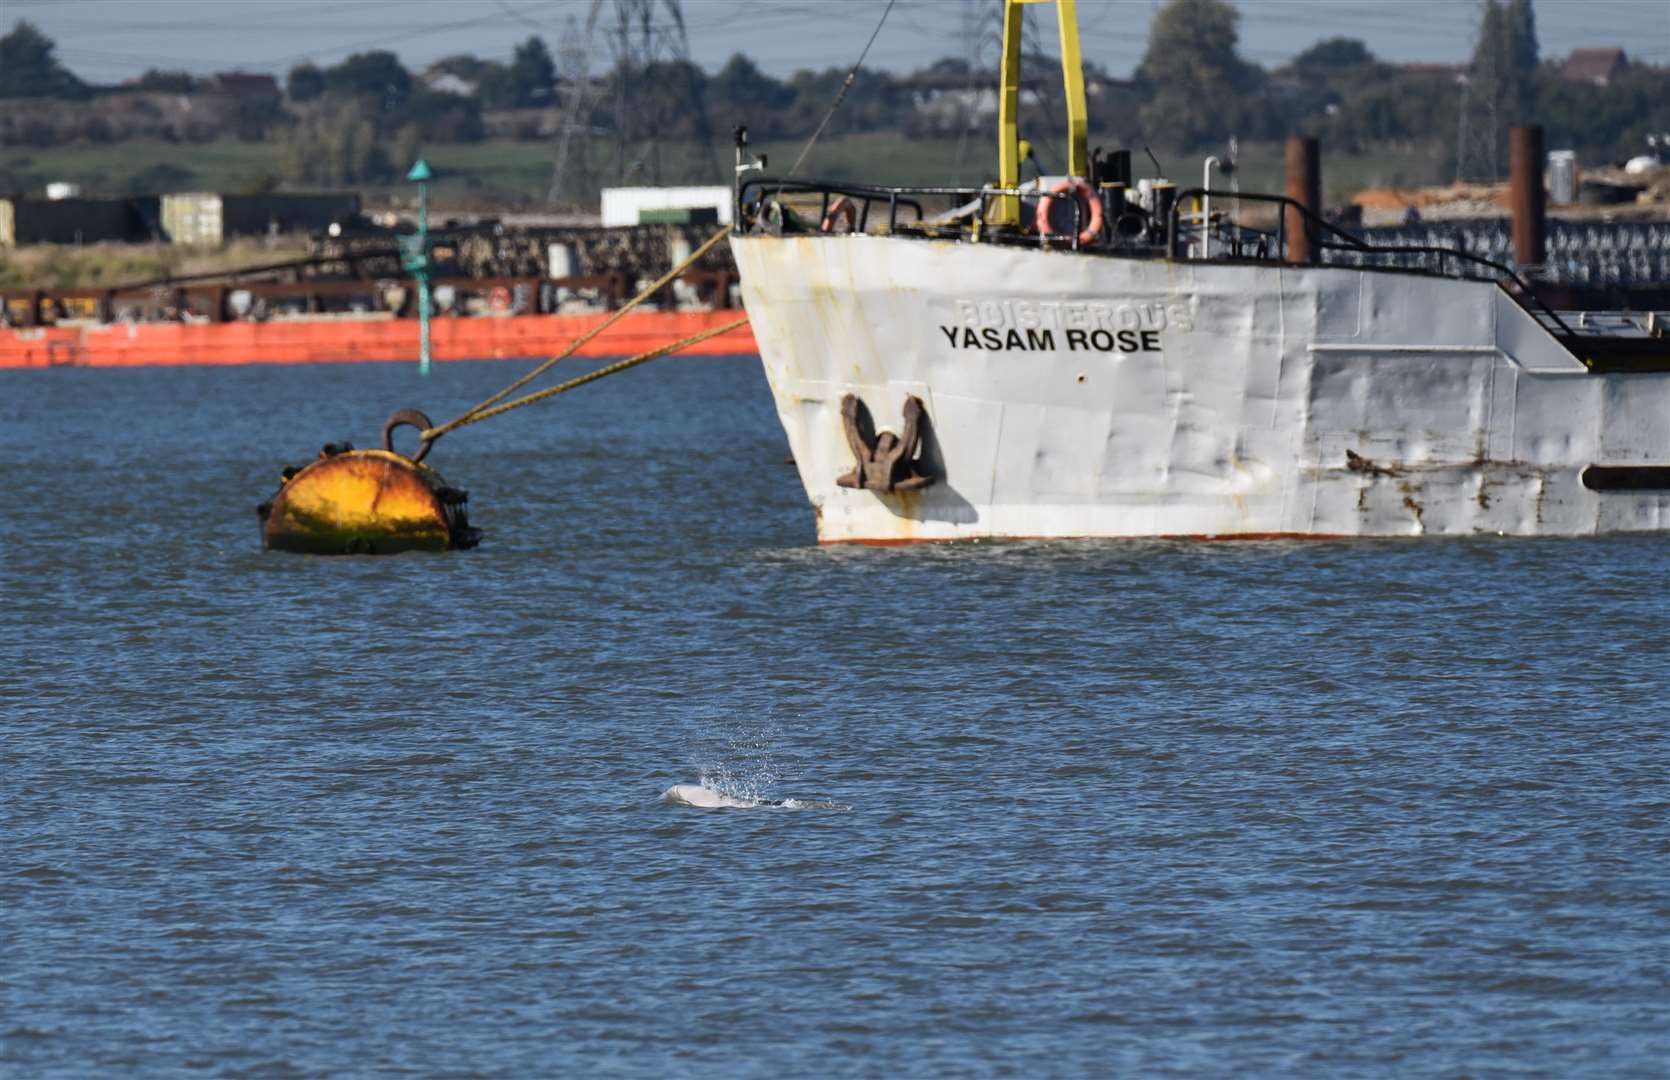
{"type": "Point", "coordinates": [646, 205]}
{"type": "Point", "coordinates": [244, 85]}
{"type": "Point", "coordinates": [445, 82]}
{"type": "Point", "coordinates": [75, 220]}
{"type": "Point", "coordinates": [207, 219]}
{"type": "Point", "coordinates": [1595, 66]}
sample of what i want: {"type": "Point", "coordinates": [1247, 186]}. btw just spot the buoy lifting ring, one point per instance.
{"type": "Point", "coordinates": [499, 298]}
{"type": "Point", "coordinates": [401, 419]}
{"type": "Point", "coordinates": [843, 210]}
{"type": "Point", "coordinates": [1081, 189]}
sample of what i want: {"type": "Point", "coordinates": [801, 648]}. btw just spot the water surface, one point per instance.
{"type": "Point", "coordinates": [1326, 809]}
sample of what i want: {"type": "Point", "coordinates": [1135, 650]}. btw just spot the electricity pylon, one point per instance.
{"type": "Point", "coordinates": [1478, 131]}
{"type": "Point", "coordinates": [644, 117]}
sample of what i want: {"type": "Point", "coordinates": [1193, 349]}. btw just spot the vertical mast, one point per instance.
{"type": "Point", "coordinates": [1072, 80]}
{"type": "Point", "coordinates": [1005, 210]}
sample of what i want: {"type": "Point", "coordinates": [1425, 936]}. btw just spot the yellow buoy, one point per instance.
{"type": "Point", "coordinates": [370, 502]}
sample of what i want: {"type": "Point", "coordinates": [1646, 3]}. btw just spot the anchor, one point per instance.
{"type": "Point", "coordinates": [886, 462]}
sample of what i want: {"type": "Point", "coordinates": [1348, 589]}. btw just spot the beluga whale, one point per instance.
{"type": "Point", "coordinates": [707, 798]}
{"type": "Point", "coordinates": [700, 795]}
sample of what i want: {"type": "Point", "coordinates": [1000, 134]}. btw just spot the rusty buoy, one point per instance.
{"type": "Point", "coordinates": [367, 502]}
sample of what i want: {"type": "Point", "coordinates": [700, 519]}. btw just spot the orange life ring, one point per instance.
{"type": "Point", "coordinates": [499, 298]}
{"type": "Point", "coordinates": [841, 208]}
{"type": "Point", "coordinates": [1081, 189]}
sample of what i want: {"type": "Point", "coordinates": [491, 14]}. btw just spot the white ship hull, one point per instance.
{"type": "Point", "coordinates": [1082, 396]}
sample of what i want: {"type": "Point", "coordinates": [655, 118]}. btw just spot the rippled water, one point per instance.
{"type": "Point", "coordinates": [1359, 809]}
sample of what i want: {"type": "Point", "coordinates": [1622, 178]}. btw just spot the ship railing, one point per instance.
{"type": "Point", "coordinates": [754, 194]}
{"type": "Point", "coordinates": [751, 205]}
{"type": "Point", "coordinates": [1320, 230]}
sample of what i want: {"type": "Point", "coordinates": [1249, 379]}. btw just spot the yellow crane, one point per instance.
{"type": "Point", "coordinates": [1005, 210]}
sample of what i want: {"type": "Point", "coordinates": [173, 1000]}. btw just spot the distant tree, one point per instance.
{"type": "Point", "coordinates": [1333, 57]}
{"type": "Point", "coordinates": [28, 68]}
{"type": "Point", "coordinates": [532, 73]}
{"type": "Point", "coordinates": [305, 83]}
{"type": "Point", "coordinates": [1402, 107]}
{"type": "Point", "coordinates": [167, 82]}
{"type": "Point", "coordinates": [495, 87]}
{"type": "Point", "coordinates": [1199, 87]}
{"type": "Point", "coordinates": [1606, 123]}
{"type": "Point", "coordinates": [437, 116]}
{"type": "Point", "coordinates": [336, 148]}
{"type": "Point", "coordinates": [406, 148]}
{"type": "Point", "coordinates": [874, 101]}
{"type": "Point", "coordinates": [253, 116]}
{"type": "Point", "coordinates": [1489, 52]}
{"type": "Point", "coordinates": [950, 66]}
{"type": "Point", "coordinates": [1505, 58]}
{"type": "Point", "coordinates": [39, 134]}
{"type": "Point", "coordinates": [377, 76]}
{"type": "Point", "coordinates": [1521, 50]}
{"type": "Point", "coordinates": [96, 129]}
{"type": "Point", "coordinates": [742, 91]}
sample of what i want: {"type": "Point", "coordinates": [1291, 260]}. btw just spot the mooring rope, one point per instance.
{"type": "Point", "coordinates": [477, 412]}
{"type": "Point", "coordinates": [621, 365]}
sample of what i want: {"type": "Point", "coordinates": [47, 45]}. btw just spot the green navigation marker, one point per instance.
{"type": "Point", "coordinates": [414, 257]}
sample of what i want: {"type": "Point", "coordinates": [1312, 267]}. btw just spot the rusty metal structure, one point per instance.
{"type": "Point", "coordinates": [488, 270]}
{"type": "Point", "coordinates": [1304, 187]}
{"type": "Point", "coordinates": [1530, 201]}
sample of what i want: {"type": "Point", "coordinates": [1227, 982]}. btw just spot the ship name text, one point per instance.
{"type": "Point", "coordinates": [990, 338]}
{"type": "Point", "coordinates": [1077, 326]}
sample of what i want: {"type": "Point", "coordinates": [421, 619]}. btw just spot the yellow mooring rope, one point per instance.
{"type": "Point", "coordinates": [482, 410]}
{"type": "Point", "coordinates": [591, 376]}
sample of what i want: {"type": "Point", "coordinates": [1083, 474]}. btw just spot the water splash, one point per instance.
{"type": "Point", "coordinates": [745, 766]}
{"type": "Point", "coordinates": [746, 769]}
